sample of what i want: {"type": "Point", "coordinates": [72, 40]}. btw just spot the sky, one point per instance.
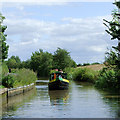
{"type": "Point", "coordinates": [74, 26]}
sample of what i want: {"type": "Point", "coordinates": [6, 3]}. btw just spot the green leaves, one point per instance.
{"type": "Point", "coordinates": [14, 62]}
{"type": "Point", "coordinates": [113, 29]}
{"type": "Point", "coordinates": [41, 62]}
{"type": "Point", "coordinates": [62, 59]}
{"type": "Point", "coordinates": [114, 25]}
{"type": "Point", "coordinates": [3, 46]}
{"type": "Point", "coordinates": [20, 78]}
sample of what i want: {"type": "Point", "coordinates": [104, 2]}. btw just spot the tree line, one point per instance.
{"type": "Point", "coordinates": [42, 62]}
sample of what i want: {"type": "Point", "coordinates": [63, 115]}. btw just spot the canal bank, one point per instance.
{"type": "Point", "coordinates": [10, 92]}
{"type": "Point", "coordinates": [9, 95]}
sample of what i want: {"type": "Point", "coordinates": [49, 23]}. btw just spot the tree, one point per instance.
{"type": "Point", "coordinates": [11, 63]}
{"type": "Point", "coordinates": [62, 59]}
{"type": "Point", "coordinates": [41, 62]}
{"type": "Point", "coordinates": [114, 29]}
{"type": "Point", "coordinates": [17, 59]}
{"type": "Point", "coordinates": [14, 62]}
{"type": "Point", "coordinates": [111, 58]}
{"type": "Point", "coordinates": [3, 46]}
{"type": "Point", "coordinates": [25, 64]}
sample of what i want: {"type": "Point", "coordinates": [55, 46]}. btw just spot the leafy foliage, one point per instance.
{"type": "Point", "coordinates": [3, 71]}
{"type": "Point", "coordinates": [41, 62]}
{"type": "Point", "coordinates": [20, 78]}
{"type": "Point", "coordinates": [114, 29]}
{"type": "Point", "coordinates": [85, 64]}
{"type": "Point", "coordinates": [108, 79]}
{"type": "Point", "coordinates": [62, 59]}
{"type": "Point", "coordinates": [25, 64]}
{"type": "Point", "coordinates": [3, 46]}
{"type": "Point", "coordinates": [82, 74]}
{"type": "Point", "coordinates": [111, 58]}
{"type": "Point", "coordinates": [14, 62]}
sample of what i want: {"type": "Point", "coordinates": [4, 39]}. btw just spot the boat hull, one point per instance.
{"type": "Point", "coordinates": [58, 85]}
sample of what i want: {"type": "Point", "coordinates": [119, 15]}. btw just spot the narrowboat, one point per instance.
{"type": "Point", "coordinates": [58, 81]}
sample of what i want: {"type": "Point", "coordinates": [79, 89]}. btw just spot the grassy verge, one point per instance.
{"type": "Point", "coordinates": [21, 77]}
{"type": "Point", "coordinates": [105, 78]}
{"type": "Point", "coordinates": [82, 74]}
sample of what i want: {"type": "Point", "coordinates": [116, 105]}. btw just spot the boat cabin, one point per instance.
{"type": "Point", "coordinates": [58, 75]}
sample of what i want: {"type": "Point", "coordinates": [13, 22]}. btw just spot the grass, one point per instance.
{"type": "Point", "coordinates": [95, 67]}
{"type": "Point", "coordinates": [20, 78]}
{"type": "Point", "coordinates": [1, 86]}
{"type": "Point", "coordinates": [82, 74]}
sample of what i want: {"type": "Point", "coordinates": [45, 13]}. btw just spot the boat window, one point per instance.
{"type": "Point", "coordinates": [51, 76]}
{"type": "Point", "coordinates": [64, 75]}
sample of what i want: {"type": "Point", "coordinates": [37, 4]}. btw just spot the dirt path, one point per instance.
{"type": "Point", "coordinates": [94, 67]}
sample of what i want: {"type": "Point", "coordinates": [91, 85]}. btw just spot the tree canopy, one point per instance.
{"type": "Point", "coordinates": [14, 62]}
{"type": "Point", "coordinates": [62, 59]}
{"type": "Point", "coordinates": [3, 46]}
{"type": "Point", "coordinates": [41, 62]}
{"type": "Point", "coordinates": [114, 29]}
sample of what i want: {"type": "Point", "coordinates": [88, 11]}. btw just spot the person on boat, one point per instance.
{"type": "Point", "coordinates": [60, 76]}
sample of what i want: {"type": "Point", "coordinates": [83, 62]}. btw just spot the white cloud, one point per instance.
{"type": "Point", "coordinates": [84, 38]}
{"type": "Point", "coordinates": [98, 48]}
{"type": "Point", "coordinates": [54, 1]}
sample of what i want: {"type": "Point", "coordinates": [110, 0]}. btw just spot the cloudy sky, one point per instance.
{"type": "Point", "coordinates": [75, 26]}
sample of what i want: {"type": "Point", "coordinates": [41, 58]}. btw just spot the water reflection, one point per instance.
{"type": "Point", "coordinates": [12, 104]}
{"type": "Point", "coordinates": [113, 100]}
{"type": "Point", "coordinates": [82, 100]}
{"type": "Point", "coordinates": [59, 97]}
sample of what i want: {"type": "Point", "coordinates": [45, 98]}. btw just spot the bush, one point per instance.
{"type": "Point", "coordinates": [108, 79]}
{"type": "Point", "coordinates": [85, 74]}
{"type": "Point", "coordinates": [95, 63]}
{"type": "Point", "coordinates": [8, 81]}
{"type": "Point", "coordinates": [3, 71]}
{"type": "Point", "coordinates": [69, 72]}
{"type": "Point", "coordinates": [20, 78]}
{"type": "Point", "coordinates": [85, 64]}
{"type": "Point", "coordinates": [1, 86]}
{"type": "Point", "coordinates": [82, 74]}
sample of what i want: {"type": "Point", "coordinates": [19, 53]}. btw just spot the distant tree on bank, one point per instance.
{"type": "Point", "coordinates": [78, 65]}
{"type": "Point", "coordinates": [14, 62]}
{"type": "Point", "coordinates": [41, 62]}
{"type": "Point", "coordinates": [62, 59]}
{"type": "Point", "coordinates": [85, 64]}
{"type": "Point", "coordinates": [25, 64]}
{"type": "Point", "coordinates": [3, 46]}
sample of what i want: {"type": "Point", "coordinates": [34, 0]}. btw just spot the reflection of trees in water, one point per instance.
{"type": "Point", "coordinates": [59, 97]}
{"type": "Point", "coordinates": [110, 99]}
{"type": "Point", "coordinates": [114, 102]}
{"type": "Point", "coordinates": [13, 103]}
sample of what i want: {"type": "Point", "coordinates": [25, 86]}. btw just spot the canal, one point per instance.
{"type": "Point", "coordinates": [82, 100]}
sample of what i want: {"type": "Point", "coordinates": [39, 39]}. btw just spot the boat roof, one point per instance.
{"type": "Point", "coordinates": [58, 72]}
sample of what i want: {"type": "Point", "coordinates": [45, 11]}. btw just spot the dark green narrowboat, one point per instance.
{"type": "Point", "coordinates": [58, 81]}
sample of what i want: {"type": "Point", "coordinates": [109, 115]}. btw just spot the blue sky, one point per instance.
{"type": "Point", "coordinates": [75, 26]}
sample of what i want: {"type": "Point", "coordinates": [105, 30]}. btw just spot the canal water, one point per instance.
{"type": "Point", "coordinates": [82, 100]}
